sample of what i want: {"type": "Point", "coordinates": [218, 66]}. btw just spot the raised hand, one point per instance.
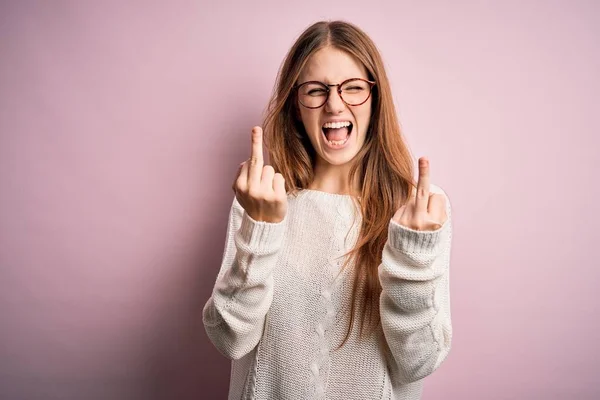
{"type": "Point", "coordinates": [425, 211]}
{"type": "Point", "coordinates": [258, 189]}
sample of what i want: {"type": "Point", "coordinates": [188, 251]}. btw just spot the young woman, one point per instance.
{"type": "Point", "coordinates": [334, 281]}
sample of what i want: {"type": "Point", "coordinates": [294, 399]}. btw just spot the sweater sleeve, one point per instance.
{"type": "Point", "coordinates": [415, 302]}
{"type": "Point", "coordinates": [234, 315]}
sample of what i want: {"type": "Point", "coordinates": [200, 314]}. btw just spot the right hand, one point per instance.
{"type": "Point", "coordinates": [258, 189]}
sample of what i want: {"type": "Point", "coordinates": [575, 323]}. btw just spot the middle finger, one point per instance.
{"type": "Point", "coordinates": [256, 158]}
{"type": "Point", "coordinates": [423, 185]}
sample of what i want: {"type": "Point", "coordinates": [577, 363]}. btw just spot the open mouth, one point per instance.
{"type": "Point", "coordinates": [337, 133]}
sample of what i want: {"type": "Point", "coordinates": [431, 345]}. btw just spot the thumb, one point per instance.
{"type": "Point", "coordinates": [399, 212]}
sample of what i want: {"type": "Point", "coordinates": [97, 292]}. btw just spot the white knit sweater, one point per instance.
{"type": "Point", "coordinates": [279, 308]}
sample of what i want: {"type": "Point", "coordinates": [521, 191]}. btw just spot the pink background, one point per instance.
{"type": "Point", "coordinates": [122, 125]}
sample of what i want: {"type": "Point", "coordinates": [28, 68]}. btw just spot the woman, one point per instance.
{"type": "Point", "coordinates": [334, 280]}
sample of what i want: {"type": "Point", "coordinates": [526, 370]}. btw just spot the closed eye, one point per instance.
{"type": "Point", "coordinates": [354, 89]}
{"type": "Point", "coordinates": [316, 92]}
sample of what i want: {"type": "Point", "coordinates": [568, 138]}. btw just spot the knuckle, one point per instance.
{"type": "Point", "coordinates": [255, 193]}
{"type": "Point", "coordinates": [241, 179]}
{"type": "Point", "coordinates": [242, 191]}
{"type": "Point", "coordinates": [278, 197]}
{"type": "Point", "coordinates": [270, 197]}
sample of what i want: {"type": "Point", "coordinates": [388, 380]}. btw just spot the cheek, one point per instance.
{"type": "Point", "coordinates": [363, 119]}
{"type": "Point", "coordinates": [309, 120]}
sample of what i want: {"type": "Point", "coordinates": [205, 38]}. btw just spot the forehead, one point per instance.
{"type": "Point", "coordinates": [331, 65]}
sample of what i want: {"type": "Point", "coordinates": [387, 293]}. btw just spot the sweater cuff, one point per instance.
{"type": "Point", "coordinates": [261, 236]}
{"type": "Point", "coordinates": [408, 240]}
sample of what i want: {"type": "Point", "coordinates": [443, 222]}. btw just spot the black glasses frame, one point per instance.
{"type": "Point", "coordinates": [339, 90]}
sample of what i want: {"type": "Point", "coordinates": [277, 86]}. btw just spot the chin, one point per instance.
{"type": "Point", "coordinates": [338, 159]}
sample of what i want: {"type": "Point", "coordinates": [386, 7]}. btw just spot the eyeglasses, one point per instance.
{"type": "Point", "coordinates": [353, 92]}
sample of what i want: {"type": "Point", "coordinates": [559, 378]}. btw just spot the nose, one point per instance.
{"type": "Point", "coordinates": [334, 104]}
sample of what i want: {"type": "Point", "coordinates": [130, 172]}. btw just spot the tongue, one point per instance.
{"type": "Point", "coordinates": [336, 133]}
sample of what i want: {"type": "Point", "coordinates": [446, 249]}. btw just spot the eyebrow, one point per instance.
{"type": "Point", "coordinates": [328, 83]}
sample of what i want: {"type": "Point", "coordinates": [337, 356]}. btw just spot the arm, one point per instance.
{"type": "Point", "coordinates": [415, 303]}
{"type": "Point", "coordinates": [235, 313]}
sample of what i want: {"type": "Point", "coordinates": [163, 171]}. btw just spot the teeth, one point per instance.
{"type": "Point", "coordinates": [337, 124]}
{"type": "Point", "coordinates": [337, 142]}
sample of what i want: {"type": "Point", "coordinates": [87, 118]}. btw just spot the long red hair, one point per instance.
{"type": "Point", "coordinates": [384, 164]}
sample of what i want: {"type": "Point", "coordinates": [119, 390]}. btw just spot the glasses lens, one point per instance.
{"type": "Point", "coordinates": [356, 92]}
{"type": "Point", "coordinates": [312, 94]}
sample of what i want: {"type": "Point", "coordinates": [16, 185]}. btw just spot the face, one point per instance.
{"type": "Point", "coordinates": [335, 147]}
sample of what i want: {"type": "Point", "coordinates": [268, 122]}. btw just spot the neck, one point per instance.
{"type": "Point", "coordinates": [334, 179]}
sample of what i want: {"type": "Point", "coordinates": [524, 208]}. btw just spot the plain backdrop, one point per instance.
{"type": "Point", "coordinates": [122, 124]}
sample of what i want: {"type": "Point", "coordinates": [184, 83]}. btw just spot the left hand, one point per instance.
{"type": "Point", "coordinates": [425, 211]}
